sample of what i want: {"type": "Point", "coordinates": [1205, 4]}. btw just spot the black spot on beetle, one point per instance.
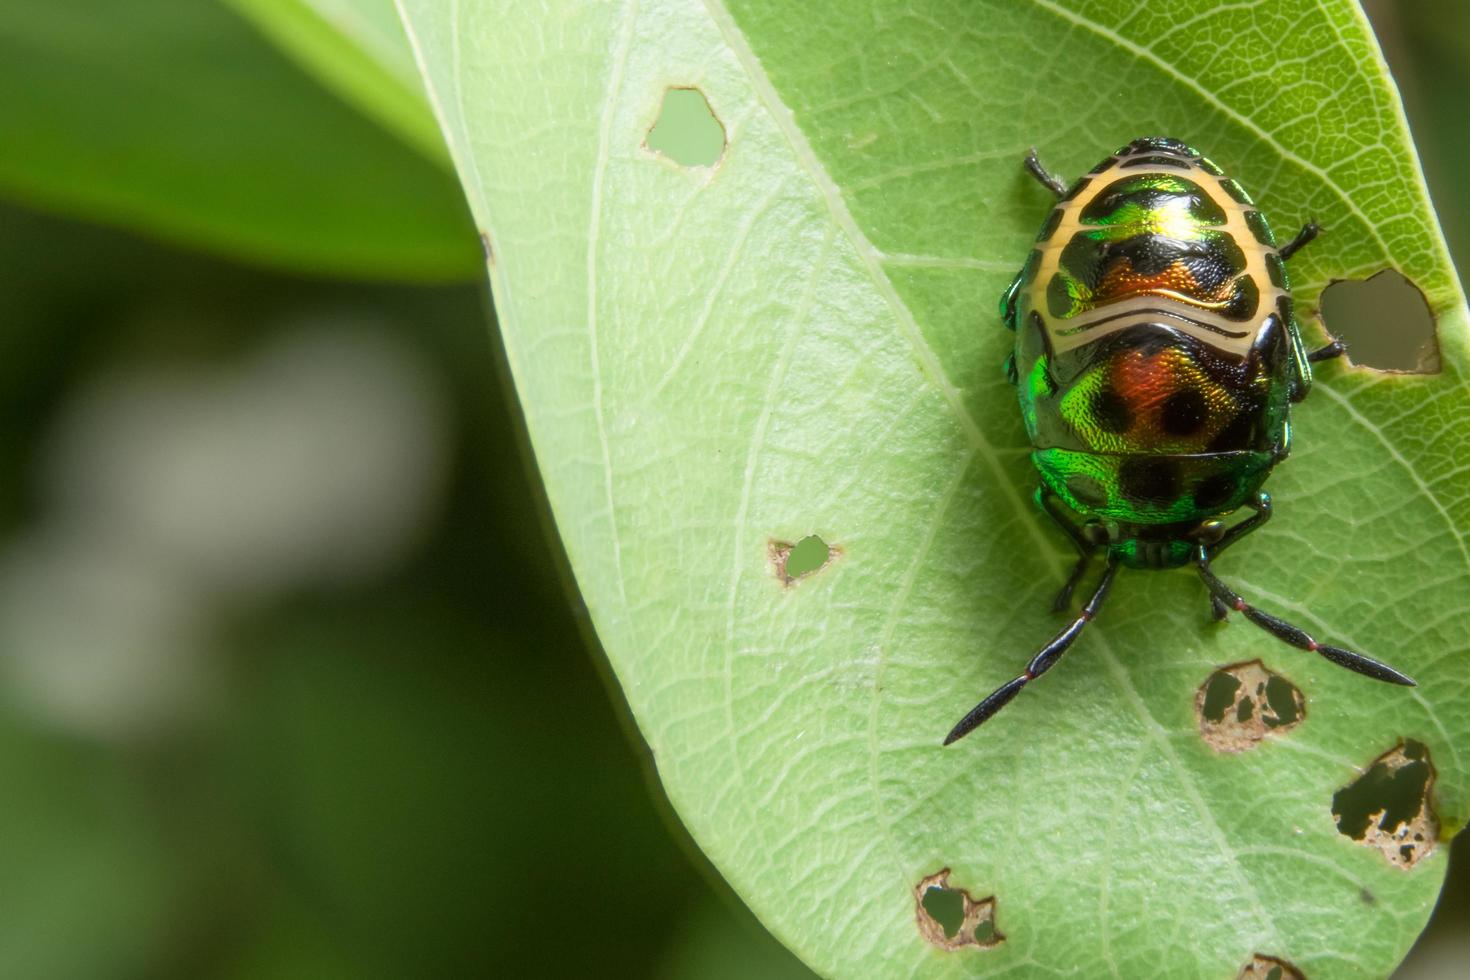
{"type": "Point", "coordinates": [1239, 433]}
{"type": "Point", "coordinates": [1236, 192]}
{"type": "Point", "coordinates": [1183, 412]}
{"type": "Point", "coordinates": [1256, 222]}
{"type": "Point", "coordinates": [1276, 270]}
{"type": "Point", "coordinates": [1050, 228]}
{"type": "Point", "coordinates": [1058, 300]}
{"type": "Point", "coordinates": [1159, 144]}
{"type": "Point", "coordinates": [1149, 480]}
{"type": "Point", "coordinates": [1028, 271]}
{"type": "Point", "coordinates": [1110, 411]}
{"type": "Point", "coordinates": [1214, 491]}
{"type": "Point", "coordinates": [1157, 161]}
{"type": "Point", "coordinates": [1087, 490]}
{"type": "Point", "coordinates": [1246, 298]}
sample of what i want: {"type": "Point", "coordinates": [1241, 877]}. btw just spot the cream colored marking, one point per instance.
{"type": "Point", "coordinates": [1068, 334]}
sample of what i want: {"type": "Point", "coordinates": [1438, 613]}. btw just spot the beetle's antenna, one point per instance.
{"type": "Point", "coordinates": [1040, 664]}
{"type": "Point", "coordinates": [1049, 180]}
{"type": "Point", "coordinates": [1296, 636]}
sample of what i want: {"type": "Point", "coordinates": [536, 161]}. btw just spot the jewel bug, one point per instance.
{"type": "Point", "coordinates": [1157, 357]}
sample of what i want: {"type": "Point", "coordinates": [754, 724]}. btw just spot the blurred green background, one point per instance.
{"type": "Point", "coordinates": [291, 683]}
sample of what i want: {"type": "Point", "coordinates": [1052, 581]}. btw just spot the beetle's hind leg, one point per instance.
{"type": "Point", "coordinates": [1309, 231]}
{"type": "Point", "coordinates": [1262, 507]}
{"type": "Point", "coordinates": [1047, 501]}
{"type": "Point", "coordinates": [1049, 180]}
{"type": "Point", "coordinates": [1043, 661]}
{"type": "Point", "coordinates": [1294, 635]}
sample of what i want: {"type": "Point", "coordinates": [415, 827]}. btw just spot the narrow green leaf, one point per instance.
{"type": "Point", "coordinates": [716, 363]}
{"type": "Point", "coordinates": [357, 48]}
{"type": "Point", "coordinates": [175, 118]}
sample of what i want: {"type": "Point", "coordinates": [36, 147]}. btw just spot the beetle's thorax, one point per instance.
{"type": "Point", "coordinates": [1156, 235]}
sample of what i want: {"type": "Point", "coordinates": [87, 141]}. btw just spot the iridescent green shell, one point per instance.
{"type": "Point", "coordinates": [1157, 351]}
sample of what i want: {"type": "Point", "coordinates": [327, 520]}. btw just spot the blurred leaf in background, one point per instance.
{"type": "Point", "coordinates": [180, 120]}
{"type": "Point", "coordinates": [359, 50]}
{"type": "Point", "coordinates": [1427, 44]}
{"type": "Point", "coordinates": [412, 769]}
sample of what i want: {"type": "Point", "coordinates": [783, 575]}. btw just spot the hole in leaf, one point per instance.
{"type": "Point", "coordinates": [1269, 968]}
{"type": "Point", "coordinates": [1385, 322]}
{"type": "Point", "coordinates": [687, 130]}
{"type": "Point", "coordinates": [950, 919]}
{"type": "Point", "coordinates": [1388, 807]}
{"type": "Point", "coordinates": [796, 561]}
{"type": "Point", "coordinates": [946, 907]}
{"type": "Point", "coordinates": [1241, 704]}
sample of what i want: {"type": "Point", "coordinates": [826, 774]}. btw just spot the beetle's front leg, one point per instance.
{"type": "Point", "coordinates": [1327, 351]}
{"type": "Point", "coordinates": [1309, 231]}
{"type": "Point", "coordinates": [1049, 180]}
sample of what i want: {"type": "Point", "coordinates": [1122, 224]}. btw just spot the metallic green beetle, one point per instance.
{"type": "Point", "coordinates": [1157, 357]}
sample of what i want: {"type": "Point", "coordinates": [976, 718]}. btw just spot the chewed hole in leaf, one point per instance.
{"type": "Point", "coordinates": [1385, 321]}
{"type": "Point", "coordinates": [687, 130]}
{"type": "Point", "coordinates": [796, 561]}
{"type": "Point", "coordinates": [1241, 704]}
{"type": "Point", "coordinates": [1269, 968]}
{"type": "Point", "coordinates": [1389, 807]}
{"type": "Point", "coordinates": [950, 919]}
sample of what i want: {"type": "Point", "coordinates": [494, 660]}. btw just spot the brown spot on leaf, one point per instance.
{"type": "Point", "coordinates": [950, 919]}
{"type": "Point", "coordinates": [1390, 806]}
{"type": "Point", "coordinates": [793, 562]}
{"type": "Point", "coordinates": [1241, 704]}
{"type": "Point", "coordinates": [1269, 968]}
{"type": "Point", "coordinates": [488, 247]}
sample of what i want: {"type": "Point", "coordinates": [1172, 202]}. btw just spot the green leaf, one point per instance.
{"type": "Point", "coordinates": [716, 363]}
{"type": "Point", "coordinates": [175, 118]}
{"type": "Point", "coordinates": [358, 49]}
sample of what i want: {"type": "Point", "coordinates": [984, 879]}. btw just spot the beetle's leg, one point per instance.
{"type": "Point", "coordinates": [1328, 351]}
{"type": "Point", "coordinates": [1262, 507]}
{"type": "Point", "coordinates": [1051, 181]}
{"type": "Point", "coordinates": [1288, 633]}
{"type": "Point", "coordinates": [1309, 231]}
{"type": "Point", "coordinates": [1044, 660]}
{"type": "Point", "coordinates": [1302, 383]}
{"type": "Point", "coordinates": [1048, 502]}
